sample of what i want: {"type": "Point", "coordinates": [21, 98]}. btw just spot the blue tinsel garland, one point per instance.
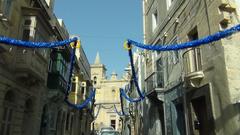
{"type": "Point", "coordinates": [130, 99]}
{"type": "Point", "coordinates": [72, 61]}
{"type": "Point", "coordinates": [92, 95]}
{"type": "Point", "coordinates": [122, 93]}
{"type": "Point", "coordinates": [84, 104]}
{"type": "Point", "coordinates": [97, 112]}
{"type": "Point", "coordinates": [208, 39]}
{"type": "Point", "coordinates": [134, 73]}
{"type": "Point", "coordinates": [117, 112]}
{"type": "Point", "coordinates": [29, 44]}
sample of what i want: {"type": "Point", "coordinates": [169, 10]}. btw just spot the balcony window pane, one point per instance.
{"type": "Point", "coordinates": [192, 57]}
{"type": "Point", "coordinates": [7, 7]}
{"type": "Point", "coordinates": [50, 66]}
{"type": "Point", "coordinates": [160, 80]}
{"type": "Point", "coordinates": [26, 35]}
{"type": "Point", "coordinates": [54, 66]}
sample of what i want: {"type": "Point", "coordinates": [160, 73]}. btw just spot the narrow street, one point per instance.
{"type": "Point", "coordinates": [129, 67]}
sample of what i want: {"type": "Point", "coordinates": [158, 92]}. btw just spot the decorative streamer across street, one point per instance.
{"type": "Point", "coordinates": [117, 112]}
{"type": "Point", "coordinates": [123, 94]}
{"type": "Point", "coordinates": [134, 79]}
{"type": "Point", "coordinates": [84, 104]}
{"type": "Point", "coordinates": [29, 44]}
{"type": "Point", "coordinates": [208, 39]}
{"type": "Point", "coordinates": [99, 108]}
{"type": "Point", "coordinates": [93, 92]}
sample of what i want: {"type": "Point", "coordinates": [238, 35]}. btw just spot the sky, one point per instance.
{"type": "Point", "coordinates": [103, 26]}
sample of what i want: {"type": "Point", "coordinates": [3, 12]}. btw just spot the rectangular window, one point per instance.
{"type": "Point", "coordinates": [169, 3]}
{"type": "Point", "coordinates": [172, 57]}
{"type": "Point", "coordinates": [154, 20]}
{"type": "Point", "coordinates": [113, 124]}
{"type": "Point", "coordinates": [175, 53]}
{"type": "Point", "coordinates": [192, 57]}
{"type": "Point", "coordinates": [175, 57]}
{"type": "Point", "coordinates": [6, 121]}
{"type": "Point", "coordinates": [28, 27]}
{"type": "Point", "coordinates": [193, 34]}
{"type": "Point", "coordinates": [160, 73]}
{"type": "Point", "coordinates": [52, 120]}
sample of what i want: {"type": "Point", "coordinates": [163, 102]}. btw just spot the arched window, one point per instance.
{"type": "Point", "coordinates": [27, 118]}
{"type": "Point", "coordinates": [59, 123]}
{"type": "Point", "coordinates": [6, 121]}
{"type": "Point", "coordinates": [44, 121]}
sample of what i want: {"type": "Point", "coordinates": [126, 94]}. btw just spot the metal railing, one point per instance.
{"type": "Point", "coordinates": [155, 80]}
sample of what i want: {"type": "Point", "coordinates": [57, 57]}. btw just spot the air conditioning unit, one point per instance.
{"type": "Point", "coordinates": [83, 84]}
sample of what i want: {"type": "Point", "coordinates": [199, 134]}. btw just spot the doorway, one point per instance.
{"type": "Point", "coordinates": [200, 112]}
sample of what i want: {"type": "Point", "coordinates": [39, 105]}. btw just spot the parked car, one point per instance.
{"type": "Point", "coordinates": [107, 129]}
{"type": "Point", "coordinates": [109, 133]}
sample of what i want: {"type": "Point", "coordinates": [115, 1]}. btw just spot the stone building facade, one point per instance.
{"type": "Point", "coordinates": [23, 71]}
{"type": "Point", "coordinates": [196, 90]}
{"type": "Point", "coordinates": [33, 81]}
{"type": "Point", "coordinates": [107, 95]}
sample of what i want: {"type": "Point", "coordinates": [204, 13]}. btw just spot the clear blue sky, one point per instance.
{"type": "Point", "coordinates": [103, 25]}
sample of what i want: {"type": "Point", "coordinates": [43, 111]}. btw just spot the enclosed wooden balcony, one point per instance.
{"type": "Point", "coordinates": [193, 67]}
{"type": "Point", "coordinates": [31, 65]}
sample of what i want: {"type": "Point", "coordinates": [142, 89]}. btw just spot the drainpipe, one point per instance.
{"type": "Point", "coordinates": [207, 15]}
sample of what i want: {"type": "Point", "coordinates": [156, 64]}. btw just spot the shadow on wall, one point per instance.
{"type": "Point", "coordinates": [152, 125]}
{"type": "Point", "coordinates": [228, 113]}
